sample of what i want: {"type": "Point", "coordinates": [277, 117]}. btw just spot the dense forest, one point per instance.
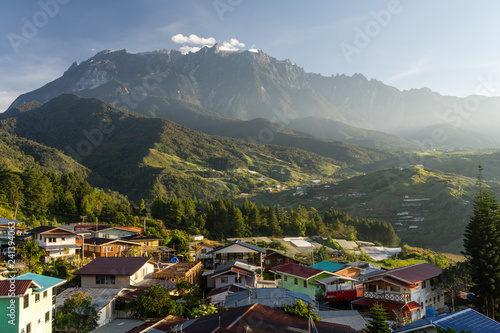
{"type": "Point", "coordinates": [67, 197]}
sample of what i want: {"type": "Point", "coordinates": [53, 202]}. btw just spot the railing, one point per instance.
{"type": "Point", "coordinates": [340, 286]}
{"type": "Point", "coordinates": [388, 296]}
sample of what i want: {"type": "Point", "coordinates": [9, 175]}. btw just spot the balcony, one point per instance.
{"type": "Point", "coordinates": [388, 296]}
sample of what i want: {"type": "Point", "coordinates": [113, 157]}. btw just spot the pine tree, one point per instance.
{"type": "Point", "coordinates": [378, 320]}
{"type": "Point", "coordinates": [481, 243]}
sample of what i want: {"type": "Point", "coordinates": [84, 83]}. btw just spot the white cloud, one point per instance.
{"type": "Point", "coordinates": [193, 39]}
{"type": "Point", "coordinates": [232, 45]}
{"type": "Point", "coordinates": [253, 50]}
{"type": "Point", "coordinates": [187, 49]}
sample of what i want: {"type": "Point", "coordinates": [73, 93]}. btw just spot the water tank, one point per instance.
{"type": "Point", "coordinates": [430, 312]}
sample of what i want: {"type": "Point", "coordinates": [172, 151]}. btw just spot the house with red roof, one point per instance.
{"type": "Point", "coordinates": [405, 292]}
{"type": "Point", "coordinates": [307, 280]}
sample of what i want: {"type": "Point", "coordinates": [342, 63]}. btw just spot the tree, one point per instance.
{"type": "Point", "coordinates": [154, 303]}
{"type": "Point", "coordinates": [454, 279]}
{"type": "Point", "coordinates": [30, 254]}
{"type": "Point", "coordinates": [481, 239]}
{"type": "Point", "coordinates": [378, 320]}
{"type": "Point", "coordinates": [77, 314]}
{"type": "Point", "coordinates": [301, 310]}
{"type": "Point", "coordinates": [204, 310]}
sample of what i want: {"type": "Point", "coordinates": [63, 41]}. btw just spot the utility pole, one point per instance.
{"type": "Point", "coordinates": [17, 205]}
{"type": "Point", "coordinates": [144, 220]}
{"type": "Point", "coordinates": [83, 218]}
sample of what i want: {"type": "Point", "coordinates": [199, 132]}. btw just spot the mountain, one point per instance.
{"type": "Point", "coordinates": [144, 157]}
{"type": "Point", "coordinates": [248, 85]}
{"type": "Point", "coordinates": [329, 129]}
{"type": "Point", "coordinates": [19, 154]}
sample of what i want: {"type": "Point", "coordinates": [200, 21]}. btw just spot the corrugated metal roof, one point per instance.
{"type": "Point", "coordinates": [465, 320]}
{"type": "Point", "coordinates": [350, 318]}
{"type": "Point", "coordinates": [43, 281]}
{"type": "Point", "coordinates": [100, 296]}
{"type": "Point", "coordinates": [254, 248]}
{"type": "Point", "coordinates": [47, 228]}
{"type": "Point", "coordinates": [329, 266]}
{"type": "Point", "coordinates": [113, 266]}
{"type": "Point", "coordinates": [416, 273]}
{"type": "Point", "coordinates": [298, 270]}
{"type": "Point", "coordinates": [274, 297]}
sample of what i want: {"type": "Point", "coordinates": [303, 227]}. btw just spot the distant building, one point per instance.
{"type": "Point", "coordinates": [233, 272]}
{"type": "Point", "coordinates": [56, 241]}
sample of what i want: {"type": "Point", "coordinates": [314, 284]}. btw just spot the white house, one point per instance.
{"type": "Point", "coordinates": [56, 241]}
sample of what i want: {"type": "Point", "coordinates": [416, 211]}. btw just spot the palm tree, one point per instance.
{"type": "Point", "coordinates": [197, 248]}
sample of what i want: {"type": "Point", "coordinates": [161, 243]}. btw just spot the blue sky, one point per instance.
{"type": "Point", "coordinates": [451, 47]}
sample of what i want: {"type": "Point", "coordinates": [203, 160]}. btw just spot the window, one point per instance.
{"type": "Point", "coordinates": [104, 279]}
{"type": "Point", "coordinates": [63, 239]}
{"type": "Point", "coordinates": [47, 316]}
{"type": "Point", "coordinates": [37, 297]}
{"type": "Point", "coordinates": [371, 287]}
{"type": "Point", "coordinates": [424, 284]}
{"type": "Point", "coordinates": [28, 328]}
{"type": "Point", "coordinates": [279, 261]}
{"type": "Point", "coordinates": [45, 294]}
{"type": "Point", "coordinates": [268, 262]}
{"type": "Point", "coordinates": [223, 279]}
{"type": "Point", "coordinates": [239, 279]}
{"type": "Point", "coordinates": [295, 281]}
{"type": "Point", "coordinates": [394, 289]}
{"type": "Point", "coordinates": [26, 301]}
{"type": "Point", "coordinates": [285, 278]}
{"type": "Point", "coordinates": [305, 283]}
{"type": "Point", "coordinates": [438, 298]}
{"type": "Point", "coordinates": [203, 251]}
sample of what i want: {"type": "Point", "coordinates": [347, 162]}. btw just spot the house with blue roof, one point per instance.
{"type": "Point", "coordinates": [328, 266]}
{"type": "Point", "coordinates": [27, 303]}
{"type": "Point", "coordinates": [465, 320]}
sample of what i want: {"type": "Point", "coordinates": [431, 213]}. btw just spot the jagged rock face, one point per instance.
{"type": "Point", "coordinates": [248, 85]}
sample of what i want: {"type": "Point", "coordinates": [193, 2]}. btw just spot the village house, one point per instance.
{"type": "Point", "coordinates": [28, 303]}
{"type": "Point", "coordinates": [405, 292]}
{"type": "Point", "coordinates": [303, 279]}
{"type": "Point", "coordinates": [106, 247]}
{"type": "Point", "coordinates": [104, 298]}
{"type": "Point", "coordinates": [233, 272]}
{"type": "Point", "coordinates": [56, 241]}
{"type": "Point", "coordinates": [107, 231]}
{"type": "Point", "coordinates": [274, 258]}
{"type": "Point", "coordinates": [237, 250]}
{"type": "Point", "coordinates": [114, 272]}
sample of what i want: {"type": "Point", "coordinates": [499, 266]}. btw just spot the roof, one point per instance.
{"type": "Point", "coordinates": [411, 275]}
{"type": "Point", "coordinates": [275, 297]}
{"type": "Point", "coordinates": [411, 306]}
{"type": "Point", "coordinates": [236, 266]}
{"type": "Point", "coordinates": [253, 248]}
{"type": "Point", "coordinates": [232, 288]}
{"type": "Point", "coordinates": [351, 318]}
{"type": "Point", "coordinates": [330, 279]}
{"type": "Point", "coordinates": [399, 283]}
{"type": "Point", "coordinates": [113, 266]}
{"type": "Point", "coordinates": [141, 237]}
{"type": "Point", "coordinates": [416, 273]}
{"type": "Point", "coordinates": [298, 271]}
{"type": "Point", "coordinates": [47, 228]}
{"type": "Point", "coordinates": [329, 266]}
{"type": "Point", "coordinates": [465, 320]}
{"type": "Point", "coordinates": [100, 296]}
{"type": "Point", "coordinates": [118, 326]}
{"type": "Point", "coordinates": [260, 318]}
{"type": "Point", "coordinates": [20, 287]}
{"type": "Point", "coordinates": [44, 281]}
{"type": "Point", "coordinates": [102, 241]}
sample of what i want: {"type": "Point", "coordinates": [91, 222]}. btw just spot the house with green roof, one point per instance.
{"type": "Point", "coordinates": [27, 303]}
{"type": "Point", "coordinates": [303, 279]}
